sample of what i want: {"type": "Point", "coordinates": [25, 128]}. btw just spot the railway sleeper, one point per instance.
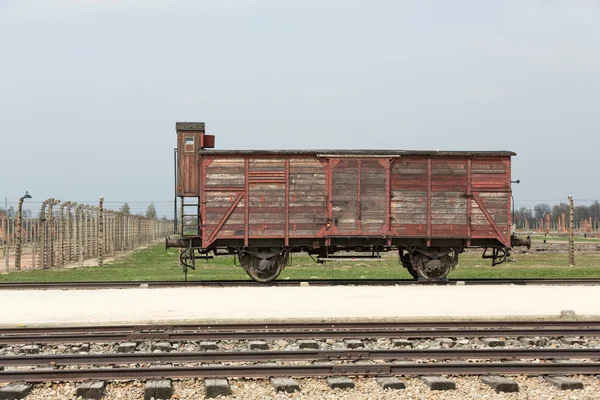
{"type": "Point", "coordinates": [214, 387]}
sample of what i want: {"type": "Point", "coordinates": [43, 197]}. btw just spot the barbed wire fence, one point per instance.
{"type": "Point", "coordinates": [68, 233]}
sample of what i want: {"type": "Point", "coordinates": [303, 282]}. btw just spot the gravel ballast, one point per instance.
{"type": "Point", "coordinates": [469, 387]}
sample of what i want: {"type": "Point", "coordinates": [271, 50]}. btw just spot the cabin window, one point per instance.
{"type": "Point", "coordinates": [189, 144]}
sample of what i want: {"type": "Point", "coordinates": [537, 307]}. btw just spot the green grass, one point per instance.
{"type": "Point", "coordinates": [157, 264]}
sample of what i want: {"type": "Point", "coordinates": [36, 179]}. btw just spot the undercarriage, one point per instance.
{"type": "Point", "coordinates": [430, 263]}
{"type": "Point", "coordinates": [265, 263]}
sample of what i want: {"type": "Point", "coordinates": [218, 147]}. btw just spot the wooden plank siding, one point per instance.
{"type": "Point", "coordinates": [345, 195]}
{"type": "Point", "coordinates": [373, 198]}
{"type": "Point", "coordinates": [307, 197]}
{"type": "Point", "coordinates": [366, 196]}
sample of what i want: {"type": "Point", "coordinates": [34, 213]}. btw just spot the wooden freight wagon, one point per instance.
{"type": "Point", "coordinates": [262, 205]}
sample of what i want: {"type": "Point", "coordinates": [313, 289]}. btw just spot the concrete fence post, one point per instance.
{"type": "Point", "coordinates": [130, 232]}
{"type": "Point", "coordinates": [69, 233]}
{"type": "Point", "coordinates": [79, 233]}
{"type": "Point", "coordinates": [127, 232]}
{"type": "Point", "coordinates": [118, 231]}
{"type": "Point", "coordinates": [18, 248]}
{"type": "Point", "coordinates": [94, 236]}
{"type": "Point", "coordinates": [133, 232]}
{"type": "Point", "coordinates": [7, 241]}
{"type": "Point", "coordinates": [122, 231]}
{"type": "Point", "coordinates": [90, 233]}
{"type": "Point", "coordinates": [571, 232]}
{"type": "Point", "coordinates": [138, 240]}
{"type": "Point", "coordinates": [61, 233]}
{"type": "Point", "coordinates": [35, 241]}
{"type": "Point", "coordinates": [107, 230]}
{"type": "Point", "coordinates": [51, 234]}
{"type": "Point", "coordinates": [109, 233]}
{"type": "Point", "coordinates": [43, 233]}
{"type": "Point", "coordinates": [4, 228]}
{"type": "Point", "coordinates": [86, 232]}
{"type": "Point", "coordinates": [113, 232]}
{"type": "Point", "coordinates": [138, 231]}
{"type": "Point", "coordinates": [130, 227]}
{"type": "Point", "coordinates": [100, 232]}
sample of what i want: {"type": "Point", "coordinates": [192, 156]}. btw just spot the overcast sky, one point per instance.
{"type": "Point", "coordinates": [90, 90]}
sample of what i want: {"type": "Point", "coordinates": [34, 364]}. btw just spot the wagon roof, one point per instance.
{"type": "Point", "coordinates": [372, 153]}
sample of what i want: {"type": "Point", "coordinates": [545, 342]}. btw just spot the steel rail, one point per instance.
{"type": "Point", "coordinates": [292, 334]}
{"type": "Point", "coordinates": [262, 371]}
{"type": "Point", "coordinates": [302, 355]}
{"type": "Point", "coordinates": [286, 326]}
{"type": "Point", "coordinates": [289, 283]}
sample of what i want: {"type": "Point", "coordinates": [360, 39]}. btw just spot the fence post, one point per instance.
{"type": "Point", "coordinates": [138, 240]}
{"type": "Point", "coordinates": [107, 231]}
{"type": "Point", "coordinates": [129, 234]}
{"type": "Point", "coordinates": [79, 233]}
{"type": "Point", "coordinates": [35, 241]}
{"type": "Point", "coordinates": [94, 232]}
{"type": "Point", "coordinates": [69, 232]}
{"type": "Point", "coordinates": [113, 232]}
{"type": "Point", "coordinates": [122, 232]}
{"type": "Point", "coordinates": [4, 228]}
{"type": "Point", "coordinates": [43, 232]}
{"type": "Point", "coordinates": [61, 233]}
{"type": "Point", "coordinates": [132, 232]}
{"type": "Point", "coordinates": [19, 237]}
{"type": "Point", "coordinates": [86, 229]}
{"type": "Point", "coordinates": [51, 233]}
{"type": "Point", "coordinates": [571, 232]}
{"type": "Point", "coordinates": [7, 236]}
{"type": "Point", "coordinates": [100, 231]}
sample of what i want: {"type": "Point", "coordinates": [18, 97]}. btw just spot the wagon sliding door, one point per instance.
{"type": "Point", "coordinates": [266, 191]}
{"type": "Point", "coordinates": [359, 195]}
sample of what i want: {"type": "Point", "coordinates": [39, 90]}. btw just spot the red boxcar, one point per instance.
{"type": "Point", "coordinates": [260, 205]}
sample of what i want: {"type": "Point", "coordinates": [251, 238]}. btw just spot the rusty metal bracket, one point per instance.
{"type": "Point", "coordinates": [334, 355]}
{"type": "Point", "coordinates": [349, 369]}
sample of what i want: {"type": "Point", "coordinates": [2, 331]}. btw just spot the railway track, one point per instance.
{"type": "Point", "coordinates": [314, 370]}
{"type": "Point", "coordinates": [109, 365]}
{"type": "Point", "coordinates": [301, 355]}
{"type": "Point", "coordinates": [289, 283]}
{"type": "Point", "coordinates": [343, 330]}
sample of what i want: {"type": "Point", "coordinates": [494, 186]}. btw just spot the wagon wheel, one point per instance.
{"type": "Point", "coordinates": [409, 267]}
{"type": "Point", "coordinates": [432, 269]}
{"type": "Point", "coordinates": [263, 270]}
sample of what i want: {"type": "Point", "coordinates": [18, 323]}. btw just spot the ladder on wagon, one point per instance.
{"type": "Point", "coordinates": [190, 216]}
